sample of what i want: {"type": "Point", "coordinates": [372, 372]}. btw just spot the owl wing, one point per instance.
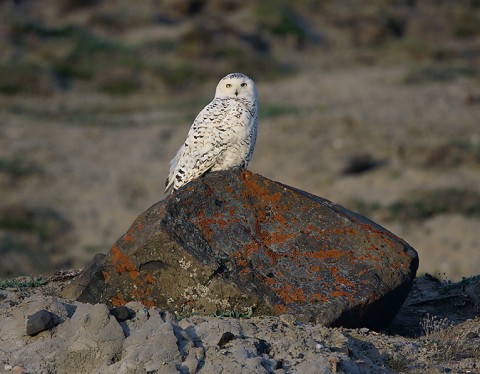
{"type": "Point", "coordinates": [203, 144]}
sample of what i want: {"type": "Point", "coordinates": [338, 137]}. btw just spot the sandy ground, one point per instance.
{"type": "Point", "coordinates": [100, 162]}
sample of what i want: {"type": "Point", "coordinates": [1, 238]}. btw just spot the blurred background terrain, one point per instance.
{"type": "Point", "coordinates": [375, 106]}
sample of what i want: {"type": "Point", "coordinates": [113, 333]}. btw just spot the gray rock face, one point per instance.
{"type": "Point", "coordinates": [165, 352]}
{"type": "Point", "coordinates": [92, 338]}
{"type": "Point", "coordinates": [235, 242]}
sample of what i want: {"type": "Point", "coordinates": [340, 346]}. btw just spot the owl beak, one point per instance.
{"type": "Point", "coordinates": [236, 93]}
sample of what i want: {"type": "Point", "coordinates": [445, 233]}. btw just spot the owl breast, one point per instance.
{"type": "Point", "coordinates": [237, 148]}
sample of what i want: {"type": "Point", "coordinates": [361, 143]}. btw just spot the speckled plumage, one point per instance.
{"type": "Point", "coordinates": [223, 134]}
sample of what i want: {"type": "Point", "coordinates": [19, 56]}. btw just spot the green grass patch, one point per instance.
{"type": "Point", "coordinates": [181, 75]}
{"type": "Point", "coordinates": [23, 282]}
{"type": "Point", "coordinates": [121, 86]}
{"type": "Point", "coordinates": [453, 153]}
{"type": "Point", "coordinates": [469, 147]}
{"type": "Point", "coordinates": [419, 74]}
{"type": "Point", "coordinates": [424, 205]}
{"type": "Point", "coordinates": [71, 56]}
{"type": "Point", "coordinates": [398, 363]}
{"type": "Point", "coordinates": [91, 54]}
{"type": "Point", "coordinates": [72, 52]}
{"type": "Point", "coordinates": [279, 18]}
{"type": "Point", "coordinates": [272, 110]}
{"type": "Point", "coordinates": [235, 314]}
{"type": "Point", "coordinates": [467, 24]}
{"type": "Point", "coordinates": [44, 222]}
{"type": "Point", "coordinates": [19, 78]}
{"type": "Point", "coordinates": [220, 313]}
{"type": "Point", "coordinates": [17, 167]}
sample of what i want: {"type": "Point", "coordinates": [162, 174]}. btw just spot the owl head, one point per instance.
{"type": "Point", "coordinates": [236, 86]}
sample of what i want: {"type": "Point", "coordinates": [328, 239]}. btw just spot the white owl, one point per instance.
{"type": "Point", "coordinates": [222, 136]}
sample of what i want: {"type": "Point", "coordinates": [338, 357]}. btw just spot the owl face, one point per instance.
{"type": "Point", "coordinates": [236, 86]}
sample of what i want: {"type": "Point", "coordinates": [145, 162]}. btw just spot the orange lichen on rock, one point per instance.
{"type": "Point", "coordinates": [344, 281]}
{"type": "Point", "coordinates": [321, 254]}
{"type": "Point", "coordinates": [118, 300]}
{"type": "Point", "coordinates": [318, 297]}
{"type": "Point", "coordinates": [220, 219]}
{"type": "Point", "coordinates": [248, 250]}
{"type": "Point", "coordinates": [280, 308]}
{"type": "Point", "coordinates": [314, 268]}
{"type": "Point", "coordinates": [260, 192]}
{"type": "Point", "coordinates": [106, 276]}
{"type": "Point", "coordinates": [149, 278]}
{"type": "Point", "coordinates": [128, 238]}
{"type": "Point", "coordinates": [338, 293]}
{"type": "Point", "coordinates": [142, 289]}
{"type": "Point", "coordinates": [148, 303]}
{"type": "Point", "coordinates": [122, 264]}
{"type": "Point", "coordinates": [387, 237]}
{"type": "Point", "coordinates": [270, 281]}
{"type": "Point", "coordinates": [135, 229]}
{"type": "Point", "coordinates": [277, 237]}
{"type": "Point", "coordinates": [288, 294]}
{"type": "Point", "coordinates": [274, 256]}
{"type": "Point", "coordinates": [205, 225]}
{"type": "Point", "coordinates": [340, 280]}
{"type": "Point", "coordinates": [241, 262]}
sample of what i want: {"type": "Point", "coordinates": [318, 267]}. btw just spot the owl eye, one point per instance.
{"type": "Point", "coordinates": [228, 85]}
{"type": "Point", "coordinates": [243, 85]}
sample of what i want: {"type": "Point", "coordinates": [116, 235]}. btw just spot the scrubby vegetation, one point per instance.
{"type": "Point", "coordinates": [122, 49]}
{"type": "Point", "coordinates": [425, 204]}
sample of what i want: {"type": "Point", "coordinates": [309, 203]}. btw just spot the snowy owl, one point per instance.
{"type": "Point", "coordinates": [223, 134]}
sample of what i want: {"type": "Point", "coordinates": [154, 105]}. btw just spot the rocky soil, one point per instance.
{"type": "Point", "coordinates": [93, 339]}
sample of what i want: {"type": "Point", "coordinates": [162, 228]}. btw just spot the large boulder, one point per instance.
{"type": "Point", "coordinates": [234, 243]}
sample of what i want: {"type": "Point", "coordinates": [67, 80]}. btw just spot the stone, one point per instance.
{"type": "Point", "coordinates": [234, 241]}
{"type": "Point", "coordinates": [162, 347]}
{"type": "Point", "coordinates": [122, 313]}
{"type": "Point", "coordinates": [73, 290]}
{"type": "Point", "coordinates": [41, 321]}
{"type": "Point", "coordinates": [92, 338]}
